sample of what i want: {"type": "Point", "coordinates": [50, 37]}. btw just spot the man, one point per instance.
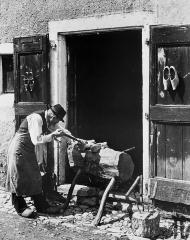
{"type": "Point", "coordinates": [23, 174]}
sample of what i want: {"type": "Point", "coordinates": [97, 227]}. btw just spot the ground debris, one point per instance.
{"type": "Point", "coordinates": [76, 223]}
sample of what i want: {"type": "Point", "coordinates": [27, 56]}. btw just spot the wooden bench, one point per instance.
{"type": "Point", "coordinates": [104, 162]}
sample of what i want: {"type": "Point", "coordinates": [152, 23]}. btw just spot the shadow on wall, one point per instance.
{"type": "Point", "coordinates": [7, 126]}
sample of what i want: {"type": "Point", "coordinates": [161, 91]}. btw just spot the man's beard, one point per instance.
{"type": "Point", "coordinates": [51, 125]}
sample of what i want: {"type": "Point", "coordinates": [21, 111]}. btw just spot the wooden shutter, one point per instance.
{"type": "Point", "coordinates": [31, 74]}
{"type": "Point", "coordinates": [170, 115]}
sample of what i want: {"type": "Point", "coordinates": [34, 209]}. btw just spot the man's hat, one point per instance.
{"type": "Point", "coordinates": [59, 111]}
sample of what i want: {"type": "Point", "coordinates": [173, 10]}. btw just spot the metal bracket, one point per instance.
{"type": "Point", "coordinates": [147, 116]}
{"type": "Point", "coordinates": [53, 45]}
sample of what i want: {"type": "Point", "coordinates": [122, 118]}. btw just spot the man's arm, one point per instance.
{"type": "Point", "coordinates": [35, 130]}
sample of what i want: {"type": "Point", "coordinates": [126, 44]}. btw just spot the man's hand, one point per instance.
{"type": "Point", "coordinates": [58, 133]}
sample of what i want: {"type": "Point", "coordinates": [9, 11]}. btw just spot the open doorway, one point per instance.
{"type": "Point", "coordinates": [105, 89]}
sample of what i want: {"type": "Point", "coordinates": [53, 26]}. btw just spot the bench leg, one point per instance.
{"type": "Point", "coordinates": [133, 186]}
{"type": "Point", "coordinates": [69, 196]}
{"type": "Point", "coordinates": [103, 201]}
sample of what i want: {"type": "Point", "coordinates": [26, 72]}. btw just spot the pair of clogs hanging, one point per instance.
{"type": "Point", "coordinates": [170, 76]}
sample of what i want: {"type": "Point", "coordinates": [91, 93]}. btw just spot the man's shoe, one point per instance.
{"type": "Point", "coordinates": [174, 77]}
{"type": "Point", "coordinates": [166, 77]}
{"type": "Point", "coordinates": [28, 213]}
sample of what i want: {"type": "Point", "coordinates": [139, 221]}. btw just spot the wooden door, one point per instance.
{"type": "Point", "coordinates": [31, 75]}
{"type": "Point", "coordinates": [170, 115]}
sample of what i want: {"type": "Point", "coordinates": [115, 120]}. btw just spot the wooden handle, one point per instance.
{"type": "Point", "coordinates": [72, 137]}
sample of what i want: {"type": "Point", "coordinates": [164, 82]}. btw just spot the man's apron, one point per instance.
{"type": "Point", "coordinates": [23, 174]}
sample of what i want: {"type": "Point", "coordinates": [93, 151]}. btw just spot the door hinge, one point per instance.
{"type": "Point", "coordinates": [147, 42]}
{"type": "Point", "coordinates": [147, 116]}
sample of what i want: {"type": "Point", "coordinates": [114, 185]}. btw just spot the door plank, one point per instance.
{"type": "Point", "coordinates": [161, 150]}
{"type": "Point", "coordinates": [173, 151]}
{"type": "Point", "coordinates": [28, 108]}
{"type": "Point", "coordinates": [170, 34]}
{"type": "Point", "coordinates": [176, 191]}
{"type": "Point", "coordinates": [186, 152]}
{"type": "Point", "coordinates": [153, 138]}
{"type": "Point", "coordinates": [170, 113]}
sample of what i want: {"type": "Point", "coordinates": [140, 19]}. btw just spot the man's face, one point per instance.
{"type": "Point", "coordinates": [52, 118]}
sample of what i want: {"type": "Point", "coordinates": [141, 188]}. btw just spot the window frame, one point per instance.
{"type": "Point", "coordinates": [5, 49]}
{"type": "Point", "coordinates": [4, 82]}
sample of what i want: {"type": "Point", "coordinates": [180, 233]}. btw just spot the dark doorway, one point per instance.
{"type": "Point", "coordinates": [105, 89]}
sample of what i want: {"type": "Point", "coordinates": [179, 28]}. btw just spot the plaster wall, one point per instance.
{"type": "Point", "coordinates": [7, 129]}
{"type": "Point", "coordinates": [27, 17]}
{"type": "Point", "coordinates": [31, 17]}
{"type": "Point", "coordinates": [174, 12]}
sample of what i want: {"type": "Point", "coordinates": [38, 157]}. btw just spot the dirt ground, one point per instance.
{"type": "Point", "coordinates": [13, 227]}
{"type": "Point", "coordinates": [75, 223]}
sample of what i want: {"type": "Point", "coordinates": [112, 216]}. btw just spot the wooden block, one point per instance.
{"type": "Point", "coordinates": [146, 224]}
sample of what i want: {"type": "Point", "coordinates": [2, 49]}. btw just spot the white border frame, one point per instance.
{"type": "Point", "coordinates": [58, 78]}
